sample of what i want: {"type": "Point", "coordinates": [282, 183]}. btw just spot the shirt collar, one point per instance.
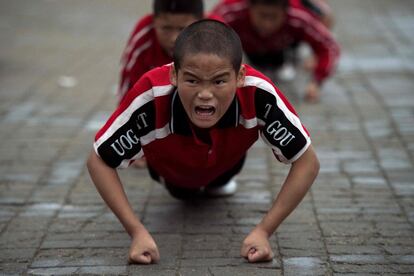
{"type": "Point", "coordinates": [180, 123]}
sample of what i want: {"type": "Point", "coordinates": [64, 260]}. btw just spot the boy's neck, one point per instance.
{"type": "Point", "coordinates": [203, 134]}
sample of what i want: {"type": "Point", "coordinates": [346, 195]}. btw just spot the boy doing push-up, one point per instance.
{"type": "Point", "coordinates": [194, 120]}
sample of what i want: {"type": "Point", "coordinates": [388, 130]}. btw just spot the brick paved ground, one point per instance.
{"type": "Point", "coordinates": [58, 68]}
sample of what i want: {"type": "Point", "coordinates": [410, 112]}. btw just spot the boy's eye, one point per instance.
{"type": "Point", "coordinates": [167, 29]}
{"type": "Point", "coordinates": [191, 81]}
{"type": "Point", "coordinates": [219, 82]}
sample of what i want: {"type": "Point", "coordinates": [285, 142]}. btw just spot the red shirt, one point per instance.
{"type": "Point", "coordinates": [142, 53]}
{"type": "Point", "coordinates": [151, 120]}
{"type": "Point", "coordinates": [298, 26]}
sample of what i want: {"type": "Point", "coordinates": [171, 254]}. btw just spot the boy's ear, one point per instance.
{"type": "Point", "coordinates": [241, 75]}
{"type": "Point", "coordinates": [173, 75]}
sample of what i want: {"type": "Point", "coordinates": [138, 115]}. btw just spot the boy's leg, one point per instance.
{"type": "Point", "coordinates": [277, 65]}
{"type": "Point", "coordinates": [267, 60]}
{"type": "Point", "coordinates": [225, 185]}
{"type": "Point", "coordinates": [291, 53]}
{"type": "Point", "coordinates": [227, 176]}
{"type": "Point", "coordinates": [211, 189]}
{"type": "Point", "coordinates": [177, 192]}
{"type": "Point", "coordinates": [183, 193]}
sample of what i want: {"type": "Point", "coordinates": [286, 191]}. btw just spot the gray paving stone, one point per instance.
{"type": "Point", "coordinates": [94, 243]}
{"type": "Point", "coordinates": [13, 268]}
{"type": "Point", "coordinates": [402, 249]}
{"type": "Point", "coordinates": [362, 269]}
{"type": "Point", "coordinates": [53, 271]}
{"type": "Point", "coordinates": [93, 226]}
{"type": "Point", "coordinates": [203, 254]}
{"type": "Point", "coordinates": [304, 266]}
{"type": "Point", "coordinates": [21, 239]}
{"type": "Point", "coordinates": [103, 270]}
{"type": "Point", "coordinates": [239, 271]}
{"type": "Point", "coordinates": [338, 249]}
{"type": "Point", "coordinates": [7, 212]}
{"type": "Point", "coordinates": [22, 224]}
{"type": "Point", "coordinates": [153, 270]}
{"type": "Point", "coordinates": [16, 254]}
{"type": "Point", "coordinates": [402, 259]}
{"type": "Point", "coordinates": [361, 274]}
{"type": "Point", "coordinates": [80, 257]}
{"type": "Point", "coordinates": [358, 259]}
{"type": "Point", "coordinates": [207, 262]}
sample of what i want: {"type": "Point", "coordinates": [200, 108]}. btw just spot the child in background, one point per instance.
{"type": "Point", "coordinates": [151, 42]}
{"type": "Point", "coordinates": [268, 28]}
{"type": "Point", "coordinates": [194, 120]}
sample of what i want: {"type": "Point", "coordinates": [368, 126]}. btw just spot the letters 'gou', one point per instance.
{"type": "Point", "coordinates": [278, 132]}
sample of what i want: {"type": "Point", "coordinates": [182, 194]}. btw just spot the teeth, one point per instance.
{"type": "Point", "coordinates": [204, 110]}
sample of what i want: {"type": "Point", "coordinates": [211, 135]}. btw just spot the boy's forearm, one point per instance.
{"type": "Point", "coordinates": [109, 186]}
{"type": "Point", "coordinates": [301, 176]}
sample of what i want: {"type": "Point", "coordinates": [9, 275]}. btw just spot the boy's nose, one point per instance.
{"type": "Point", "coordinates": [174, 35]}
{"type": "Point", "coordinates": [205, 94]}
{"type": "Point", "coordinates": [268, 27]}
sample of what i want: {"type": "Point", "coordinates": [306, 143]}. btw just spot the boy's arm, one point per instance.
{"type": "Point", "coordinates": [303, 172]}
{"type": "Point", "coordinates": [143, 248]}
{"type": "Point", "coordinates": [324, 46]}
{"type": "Point", "coordinates": [327, 52]}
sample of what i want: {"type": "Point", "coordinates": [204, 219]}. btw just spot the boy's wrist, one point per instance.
{"type": "Point", "coordinates": [316, 82]}
{"type": "Point", "coordinates": [269, 223]}
{"type": "Point", "coordinates": [262, 230]}
{"type": "Point", "coordinates": [136, 230]}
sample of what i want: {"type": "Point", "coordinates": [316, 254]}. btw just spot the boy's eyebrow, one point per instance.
{"type": "Point", "coordinates": [190, 74]}
{"type": "Point", "coordinates": [224, 74]}
{"type": "Point", "coordinates": [218, 75]}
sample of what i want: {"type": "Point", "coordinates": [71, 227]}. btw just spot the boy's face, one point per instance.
{"type": "Point", "coordinates": [206, 85]}
{"type": "Point", "coordinates": [266, 19]}
{"type": "Point", "coordinates": [168, 26]}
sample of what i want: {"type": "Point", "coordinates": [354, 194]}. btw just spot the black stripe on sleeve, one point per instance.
{"type": "Point", "coordinates": [310, 5]}
{"type": "Point", "coordinates": [278, 130]}
{"type": "Point", "coordinates": [125, 142]}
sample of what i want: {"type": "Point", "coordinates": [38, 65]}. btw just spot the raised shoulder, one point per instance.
{"type": "Point", "coordinates": [138, 119]}
{"type": "Point", "coordinates": [281, 127]}
{"type": "Point", "coordinates": [230, 9]}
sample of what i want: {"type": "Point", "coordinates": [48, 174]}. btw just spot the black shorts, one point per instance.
{"type": "Point", "coordinates": [188, 193]}
{"type": "Point", "coordinates": [274, 60]}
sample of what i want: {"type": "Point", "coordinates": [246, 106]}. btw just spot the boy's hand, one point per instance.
{"type": "Point", "coordinates": [143, 249]}
{"type": "Point", "coordinates": [256, 247]}
{"type": "Point", "coordinates": [312, 92]}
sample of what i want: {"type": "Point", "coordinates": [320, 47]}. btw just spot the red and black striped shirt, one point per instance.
{"type": "Point", "coordinates": [151, 121]}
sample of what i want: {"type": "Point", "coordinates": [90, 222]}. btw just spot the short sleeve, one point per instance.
{"type": "Point", "coordinates": [280, 128]}
{"type": "Point", "coordinates": [118, 142]}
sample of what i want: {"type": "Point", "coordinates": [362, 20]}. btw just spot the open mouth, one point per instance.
{"type": "Point", "coordinates": [205, 110]}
